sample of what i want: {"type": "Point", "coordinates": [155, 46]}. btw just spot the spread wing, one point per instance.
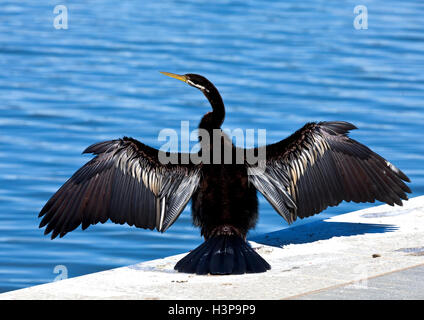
{"type": "Point", "coordinates": [320, 166]}
{"type": "Point", "coordinates": [125, 183]}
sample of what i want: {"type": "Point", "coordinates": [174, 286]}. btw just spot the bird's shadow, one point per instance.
{"type": "Point", "coordinates": [320, 230]}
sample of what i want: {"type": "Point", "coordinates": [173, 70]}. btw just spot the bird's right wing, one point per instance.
{"type": "Point", "coordinates": [320, 166]}
{"type": "Point", "coordinates": [125, 183]}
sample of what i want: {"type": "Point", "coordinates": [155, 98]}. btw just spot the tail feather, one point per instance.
{"type": "Point", "coordinates": [223, 254]}
{"type": "Point", "coordinates": [222, 259]}
{"type": "Point", "coordinates": [190, 263]}
{"type": "Point", "coordinates": [239, 262]}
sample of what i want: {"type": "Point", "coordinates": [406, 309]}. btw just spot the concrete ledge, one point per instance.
{"type": "Point", "coordinates": [345, 251]}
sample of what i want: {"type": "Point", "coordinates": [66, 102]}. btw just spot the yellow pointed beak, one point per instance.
{"type": "Point", "coordinates": [176, 76]}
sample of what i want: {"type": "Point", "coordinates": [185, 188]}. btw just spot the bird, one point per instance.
{"type": "Point", "coordinates": [128, 182]}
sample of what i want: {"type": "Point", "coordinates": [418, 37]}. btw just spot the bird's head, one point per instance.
{"type": "Point", "coordinates": [195, 80]}
{"type": "Point", "coordinates": [214, 119]}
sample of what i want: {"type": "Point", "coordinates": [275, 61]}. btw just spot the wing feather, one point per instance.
{"type": "Point", "coordinates": [126, 183]}
{"type": "Point", "coordinates": [320, 166]}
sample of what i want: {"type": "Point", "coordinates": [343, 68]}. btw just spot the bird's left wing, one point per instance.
{"type": "Point", "coordinates": [126, 183]}
{"type": "Point", "coordinates": [320, 166]}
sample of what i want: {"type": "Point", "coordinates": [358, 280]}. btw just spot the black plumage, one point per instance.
{"type": "Point", "coordinates": [316, 167]}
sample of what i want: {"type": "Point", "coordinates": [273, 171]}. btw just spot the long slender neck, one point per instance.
{"type": "Point", "coordinates": [213, 120]}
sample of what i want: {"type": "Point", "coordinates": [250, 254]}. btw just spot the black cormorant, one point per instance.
{"type": "Point", "coordinates": [316, 167]}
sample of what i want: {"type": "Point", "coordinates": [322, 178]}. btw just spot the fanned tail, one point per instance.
{"type": "Point", "coordinates": [223, 254]}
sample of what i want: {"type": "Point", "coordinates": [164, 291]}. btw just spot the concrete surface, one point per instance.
{"type": "Point", "coordinates": [376, 253]}
{"type": "Point", "coordinates": [405, 284]}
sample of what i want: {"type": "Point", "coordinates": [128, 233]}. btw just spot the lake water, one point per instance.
{"type": "Point", "coordinates": [277, 64]}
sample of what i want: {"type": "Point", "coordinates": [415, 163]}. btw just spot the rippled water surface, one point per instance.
{"type": "Point", "coordinates": [277, 65]}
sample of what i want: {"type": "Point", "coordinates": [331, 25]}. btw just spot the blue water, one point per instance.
{"type": "Point", "coordinates": [277, 65]}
